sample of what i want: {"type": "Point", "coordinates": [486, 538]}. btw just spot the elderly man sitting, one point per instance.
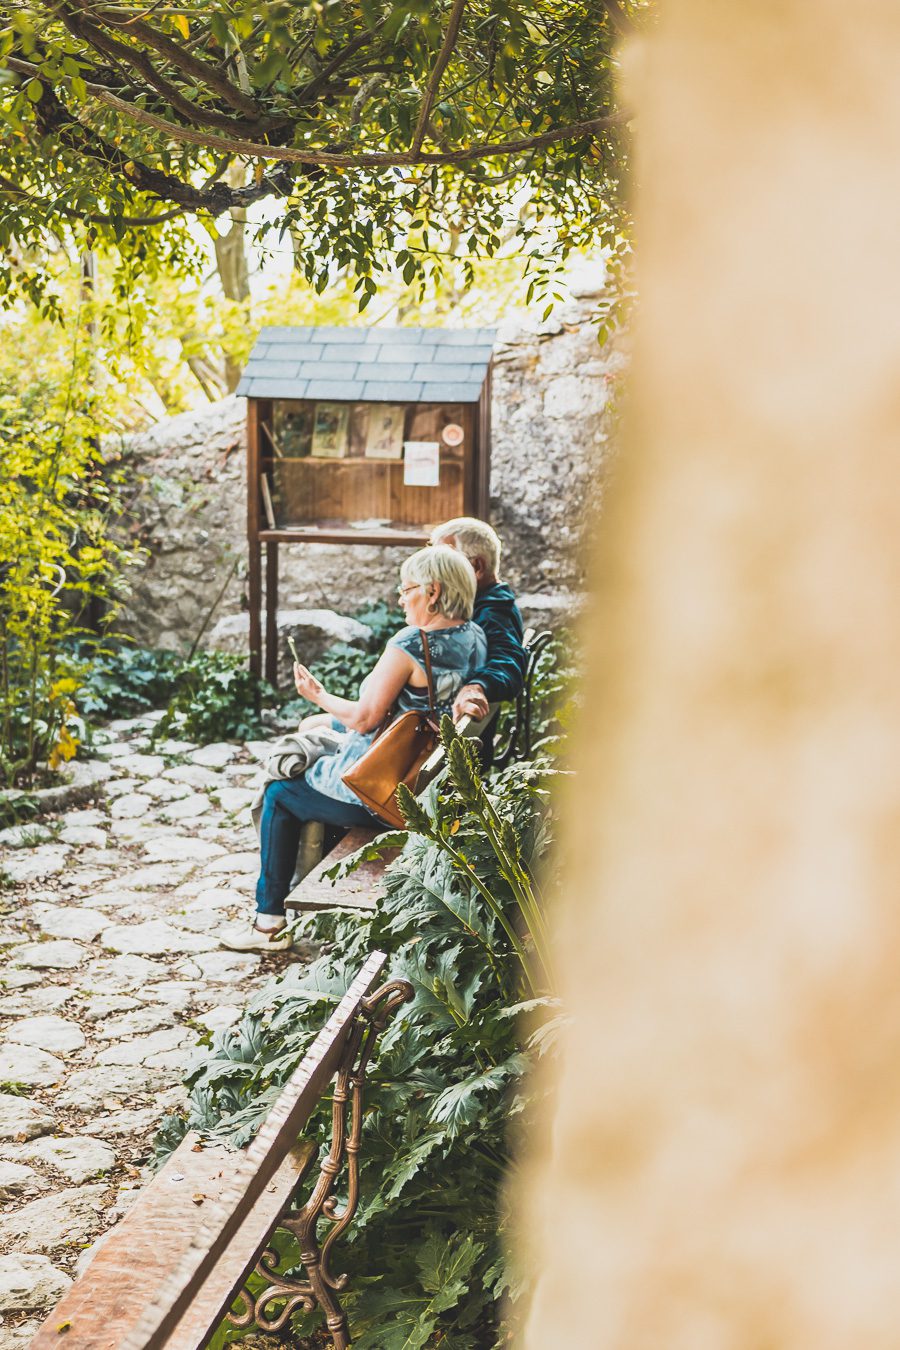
{"type": "Point", "coordinates": [501, 676]}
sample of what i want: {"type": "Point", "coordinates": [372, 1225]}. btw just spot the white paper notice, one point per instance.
{"type": "Point", "coordinates": [421, 463]}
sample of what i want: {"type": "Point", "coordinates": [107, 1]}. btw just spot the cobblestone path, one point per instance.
{"type": "Point", "coordinates": [111, 969]}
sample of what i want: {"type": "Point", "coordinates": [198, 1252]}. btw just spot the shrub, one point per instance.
{"type": "Point", "coordinates": [120, 680]}
{"type": "Point", "coordinates": [58, 557]}
{"type": "Point", "coordinates": [216, 698]}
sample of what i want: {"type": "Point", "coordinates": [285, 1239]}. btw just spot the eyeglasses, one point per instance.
{"type": "Point", "coordinates": [404, 590]}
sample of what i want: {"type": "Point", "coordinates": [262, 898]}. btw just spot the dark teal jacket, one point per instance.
{"type": "Point", "coordinates": [503, 673]}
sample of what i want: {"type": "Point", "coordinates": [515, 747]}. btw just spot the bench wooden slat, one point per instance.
{"type": "Point", "coordinates": [316, 892]}
{"type": "Point", "coordinates": [103, 1307]}
{"type": "Point", "coordinates": [230, 1273]}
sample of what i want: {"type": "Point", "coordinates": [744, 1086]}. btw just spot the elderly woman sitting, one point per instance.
{"type": "Point", "coordinates": [437, 592]}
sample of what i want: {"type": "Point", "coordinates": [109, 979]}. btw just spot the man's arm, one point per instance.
{"type": "Point", "coordinates": [503, 673]}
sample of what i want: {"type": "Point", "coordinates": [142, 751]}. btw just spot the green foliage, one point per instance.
{"type": "Point", "coordinates": [122, 679]}
{"type": "Point", "coordinates": [381, 145]}
{"type": "Point", "coordinates": [58, 556]}
{"type": "Point", "coordinates": [425, 1253]}
{"type": "Point", "coordinates": [216, 698]}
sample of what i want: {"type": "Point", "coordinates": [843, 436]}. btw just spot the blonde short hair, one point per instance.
{"type": "Point", "coordinates": [451, 570]}
{"type": "Point", "coordinates": [475, 538]}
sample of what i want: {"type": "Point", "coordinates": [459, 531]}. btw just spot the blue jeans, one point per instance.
{"type": "Point", "coordinates": [287, 804]}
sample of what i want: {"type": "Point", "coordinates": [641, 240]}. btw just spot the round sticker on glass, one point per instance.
{"type": "Point", "coordinates": [453, 434]}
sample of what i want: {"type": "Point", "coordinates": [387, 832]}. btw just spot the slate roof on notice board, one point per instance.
{"type": "Point", "coordinates": [390, 365]}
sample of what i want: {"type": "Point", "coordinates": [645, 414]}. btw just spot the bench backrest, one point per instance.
{"type": "Point", "coordinates": [258, 1164]}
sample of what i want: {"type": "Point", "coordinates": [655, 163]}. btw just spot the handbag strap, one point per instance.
{"type": "Point", "coordinates": [427, 654]}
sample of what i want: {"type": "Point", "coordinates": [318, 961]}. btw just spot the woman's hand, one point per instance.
{"type": "Point", "coordinates": [307, 685]}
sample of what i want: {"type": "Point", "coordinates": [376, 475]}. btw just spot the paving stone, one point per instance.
{"type": "Point", "coordinates": [175, 994]}
{"type": "Point", "coordinates": [83, 836]}
{"type": "Point", "coordinates": [89, 816]}
{"type": "Point", "coordinates": [162, 790]}
{"type": "Point", "coordinates": [77, 1158]}
{"type": "Point", "coordinates": [115, 749]}
{"type": "Point", "coordinates": [19, 979]}
{"type": "Point", "coordinates": [130, 806]}
{"type": "Point", "coordinates": [29, 1066]}
{"type": "Point", "coordinates": [195, 775]}
{"type": "Point", "coordinates": [199, 921]}
{"type": "Point", "coordinates": [215, 897]}
{"type": "Point", "coordinates": [120, 787]}
{"type": "Point", "coordinates": [102, 1006]}
{"type": "Point", "coordinates": [34, 863]}
{"type": "Point", "coordinates": [220, 967]}
{"type": "Point", "coordinates": [146, 766]}
{"type": "Point", "coordinates": [154, 938]}
{"type": "Point", "coordinates": [33, 1002]}
{"type": "Point", "coordinates": [233, 799]}
{"type": "Point", "coordinates": [175, 747]}
{"type": "Point", "coordinates": [16, 1338]}
{"type": "Point", "coordinates": [116, 974]}
{"type": "Point", "coordinates": [117, 903]}
{"type": "Point", "coordinates": [55, 1034]}
{"type": "Point", "coordinates": [29, 1281]}
{"type": "Point", "coordinates": [17, 1179]}
{"type": "Point", "coordinates": [60, 921]}
{"type": "Point", "coordinates": [57, 954]}
{"type": "Point", "coordinates": [141, 1020]}
{"type": "Point", "coordinates": [25, 836]}
{"type": "Point", "coordinates": [69, 1216]}
{"type": "Point", "coordinates": [90, 1089]}
{"type": "Point", "coordinates": [242, 773]}
{"type": "Point", "coordinates": [234, 862]}
{"type": "Point", "coordinates": [125, 1124]}
{"type": "Point", "coordinates": [21, 1118]}
{"type": "Point", "coordinates": [217, 1019]}
{"type": "Point", "coordinates": [214, 756]}
{"type": "Point", "coordinates": [181, 848]}
{"type": "Point", "coordinates": [186, 809]}
{"type": "Point", "coordinates": [175, 1062]}
{"type": "Point", "coordinates": [154, 876]}
{"type": "Point", "coordinates": [260, 750]}
{"type": "Point", "coordinates": [139, 1049]}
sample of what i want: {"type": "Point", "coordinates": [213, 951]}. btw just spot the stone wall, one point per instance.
{"type": "Point", "coordinates": [551, 424]}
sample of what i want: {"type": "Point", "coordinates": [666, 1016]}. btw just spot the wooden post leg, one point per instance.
{"type": "Point", "coordinates": [272, 614]}
{"type": "Point", "coordinates": [254, 597]}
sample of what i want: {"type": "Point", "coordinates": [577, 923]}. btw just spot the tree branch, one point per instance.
{"type": "Point", "coordinates": [440, 66]}
{"type": "Point", "coordinates": [309, 91]}
{"type": "Point", "coordinates": [202, 71]}
{"type": "Point", "coordinates": [81, 27]}
{"type": "Point", "coordinates": [90, 217]}
{"type": "Point", "coordinates": [292, 155]}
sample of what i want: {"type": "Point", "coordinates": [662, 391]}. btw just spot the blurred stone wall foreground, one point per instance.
{"type": "Point", "coordinates": [552, 386]}
{"type": "Point", "coordinates": [722, 1166]}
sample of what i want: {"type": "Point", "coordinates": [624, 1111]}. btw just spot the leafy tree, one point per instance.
{"type": "Point", "coordinates": [399, 132]}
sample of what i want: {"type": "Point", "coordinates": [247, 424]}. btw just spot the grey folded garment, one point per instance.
{"type": "Point", "coordinates": [291, 756]}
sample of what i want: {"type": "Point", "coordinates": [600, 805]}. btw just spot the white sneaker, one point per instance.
{"type": "Point", "coordinates": [255, 939]}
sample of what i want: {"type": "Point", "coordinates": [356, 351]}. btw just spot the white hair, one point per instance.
{"type": "Point", "coordinates": [451, 570]}
{"type": "Point", "coordinates": [475, 538]}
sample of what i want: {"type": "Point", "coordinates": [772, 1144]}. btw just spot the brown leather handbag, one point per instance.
{"type": "Point", "coordinates": [396, 756]}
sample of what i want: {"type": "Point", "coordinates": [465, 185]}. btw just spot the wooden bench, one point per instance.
{"type": "Point", "coordinates": [168, 1274]}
